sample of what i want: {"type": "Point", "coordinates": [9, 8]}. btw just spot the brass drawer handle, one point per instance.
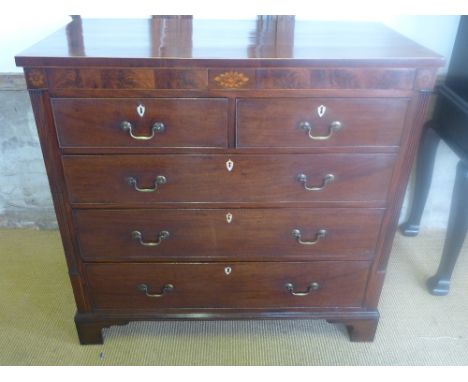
{"type": "Point", "coordinates": [327, 179]}
{"type": "Point", "coordinates": [314, 286]}
{"type": "Point", "coordinates": [162, 235]}
{"type": "Point", "coordinates": [160, 179]}
{"type": "Point", "coordinates": [334, 126]}
{"type": "Point", "coordinates": [167, 288]}
{"type": "Point", "coordinates": [158, 127]}
{"type": "Point", "coordinates": [321, 233]}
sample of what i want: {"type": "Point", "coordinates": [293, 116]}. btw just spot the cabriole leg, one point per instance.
{"type": "Point", "coordinates": [424, 167]}
{"type": "Point", "coordinates": [439, 284]}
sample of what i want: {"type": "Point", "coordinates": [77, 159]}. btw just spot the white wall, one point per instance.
{"type": "Point", "coordinates": [434, 32]}
{"type": "Point", "coordinates": [18, 31]}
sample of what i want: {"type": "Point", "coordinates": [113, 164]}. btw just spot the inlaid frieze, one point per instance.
{"type": "Point", "coordinates": [229, 79]}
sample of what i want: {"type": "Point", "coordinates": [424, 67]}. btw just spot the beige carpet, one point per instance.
{"type": "Point", "coordinates": [36, 319]}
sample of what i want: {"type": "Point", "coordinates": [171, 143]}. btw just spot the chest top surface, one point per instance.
{"type": "Point", "coordinates": [184, 40]}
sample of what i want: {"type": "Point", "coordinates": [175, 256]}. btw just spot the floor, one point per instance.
{"type": "Point", "coordinates": [36, 319]}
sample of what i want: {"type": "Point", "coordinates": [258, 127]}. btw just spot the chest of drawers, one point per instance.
{"type": "Point", "coordinates": [235, 170]}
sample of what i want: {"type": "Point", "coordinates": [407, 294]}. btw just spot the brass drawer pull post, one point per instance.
{"type": "Point", "coordinates": [160, 179]}
{"type": "Point", "coordinates": [167, 288]}
{"type": "Point", "coordinates": [296, 233]}
{"type": "Point", "coordinates": [314, 286]}
{"type": "Point", "coordinates": [334, 126]}
{"type": "Point", "coordinates": [327, 179]}
{"type": "Point", "coordinates": [162, 235]}
{"type": "Point", "coordinates": [158, 127]}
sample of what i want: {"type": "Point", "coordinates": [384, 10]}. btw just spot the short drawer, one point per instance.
{"type": "Point", "coordinates": [221, 178]}
{"type": "Point", "coordinates": [128, 122]}
{"type": "Point", "coordinates": [234, 234]}
{"type": "Point", "coordinates": [238, 285]}
{"type": "Point", "coordinates": [314, 122]}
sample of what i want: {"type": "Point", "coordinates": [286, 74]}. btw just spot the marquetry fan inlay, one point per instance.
{"type": "Point", "coordinates": [231, 79]}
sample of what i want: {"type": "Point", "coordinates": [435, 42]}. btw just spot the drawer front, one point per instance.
{"type": "Point", "coordinates": [242, 234]}
{"type": "Point", "coordinates": [312, 122]}
{"type": "Point", "coordinates": [161, 122]}
{"type": "Point", "coordinates": [239, 285]}
{"type": "Point", "coordinates": [207, 178]}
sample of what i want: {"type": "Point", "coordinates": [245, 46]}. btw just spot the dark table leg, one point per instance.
{"type": "Point", "coordinates": [424, 166]}
{"type": "Point", "coordinates": [439, 284]}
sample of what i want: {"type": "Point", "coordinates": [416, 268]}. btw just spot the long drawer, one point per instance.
{"type": "Point", "coordinates": [223, 178]}
{"type": "Point", "coordinates": [130, 286]}
{"type": "Point", "coordinates": [237, 234]}
{"type": "Point", "coordinates": [319, 122]}
{"type": "Point", "coordinates": [146, 122]}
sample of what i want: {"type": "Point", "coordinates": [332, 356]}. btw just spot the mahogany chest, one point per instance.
{"type": "Point", "coordinates": [227, 169]}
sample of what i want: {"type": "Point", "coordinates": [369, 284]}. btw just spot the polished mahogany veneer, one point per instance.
{"type": "Point", "coordinates": [226, 285]}
{"type": "Point", "coordinates": [250, 234]}
{"type": "Point", "coordinates": [287, 122]}
{"type": "Point", "coordinates": [98, 122]}
{"type": "Point", "coordinates": [207, 169]}
{"type": "Point", "coordinates": [205, 178]}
